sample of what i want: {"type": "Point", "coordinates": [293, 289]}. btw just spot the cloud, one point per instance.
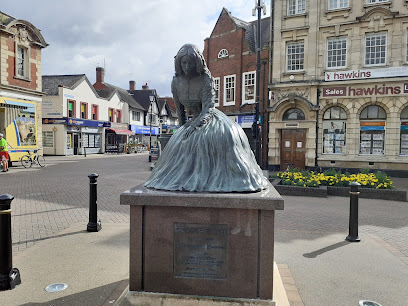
{"type": "Point", "coordinates": [134, 40]}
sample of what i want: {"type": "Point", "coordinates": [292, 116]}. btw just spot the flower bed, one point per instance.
{"type": "Point", "coordinates": [378, 180]}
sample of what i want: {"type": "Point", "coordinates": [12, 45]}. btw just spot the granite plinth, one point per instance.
{"type": "Point", "coordinates": [202, 244]}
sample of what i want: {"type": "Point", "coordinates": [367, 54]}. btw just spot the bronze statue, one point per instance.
{"type": "Point", "coordinates": [209, 153]}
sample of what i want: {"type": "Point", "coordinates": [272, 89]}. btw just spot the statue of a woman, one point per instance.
{"type": "Point", "coordinates": [209, 153]}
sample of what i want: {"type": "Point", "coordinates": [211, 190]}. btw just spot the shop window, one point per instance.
{"type": "Point", "coordinates": [248, 86]}
{"type": "Point", "coordinates": [334, 130]}
{"type": "Point", "coordinates": [94, 112]}
{"type": "Point", "coordinates": [217, 91]}
{"type": "Point", "coordinates": [84, 110]}
{"type": "Point", "coordinates": [404, 132]}
{"type": "Point", "coordinates": [71, 109]}
{"type": "Point", "coordinates": [48, 139]}
{"type": "Point", "coordinates": [294, 114]}
{"type": "Point", "coordinates": [118, 116]}
{"type": "Point", "coordinates": [372, 130]}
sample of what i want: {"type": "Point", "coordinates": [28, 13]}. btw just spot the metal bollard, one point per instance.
{"type": "Point", "coordinates": [94, 225]}
{"type": "Point", "coordinates": [353, 219]}
{"type": "Point", "coordinates": [9, 276]}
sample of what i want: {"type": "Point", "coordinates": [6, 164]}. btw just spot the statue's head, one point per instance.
{"type": "Point", "coordinates": [189, 61]}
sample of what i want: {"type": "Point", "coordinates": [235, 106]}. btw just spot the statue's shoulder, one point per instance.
{"type": "Point", "coordinates": [174, 83]}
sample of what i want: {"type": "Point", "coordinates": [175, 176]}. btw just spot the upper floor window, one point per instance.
{"type": "Point", "coordinates": [111, 115]}
{"type": "Point", "coordinates": [217, 91]}
{"type": "Point", "coordinates": [118, 116]}
{"type": "Point", "coordinates": [248, 86]}
{"type": "Point", "coordinates": [94, 112]}
{"type": "Point", "coordinates": [336, 52]}
{"type": "Point", "coordinates": [338, 4]}
{"type": "Point", "coordinates": [22, 62]}
{"type": "Point", "coordinates": [296, 7]}
{"type": "Point", "coordinates": [376, 1]}
{"type": "Point", "coordinates": [295, 53]}
{"type": "Point", "coordinates": [71, 109]}
{"type": "Point", "coordinates": [84, 110]}
{"type": "Point", "coordinates": [229, 90]}
{"type": "Point", "coordinates": [135, 116]}
{"type": "Point", "coordinates": [152, 118]}
{"type": "Point", "coordinates": [375, 49]}
{"type": "Point", "coordinates": [223, 53]}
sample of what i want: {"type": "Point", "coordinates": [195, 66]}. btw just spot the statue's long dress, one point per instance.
{"type": "Point", "coordinates": [216, 157]}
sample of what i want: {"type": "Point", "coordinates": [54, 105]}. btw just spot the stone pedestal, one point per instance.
{"type": "Point", "coordinates": [202, 244]}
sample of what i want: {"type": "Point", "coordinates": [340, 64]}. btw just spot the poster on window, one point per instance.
{"type": "Point", "coordinates": [334, 136]}
{"type": "Point", "coordinates": [372, 135]}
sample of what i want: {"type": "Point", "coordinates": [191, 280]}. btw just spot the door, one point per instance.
{"type": "Point", "coordinates": [75, 143]}
{"type": "Point", "coordinates": [293, 149]}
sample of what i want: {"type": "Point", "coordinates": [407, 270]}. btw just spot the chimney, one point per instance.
{"type": "Point", "coordinates": [144, 87]}
{"type": "Point", "coordinates": [100, 75]}
{"type": "Point", "coordinates": [132, 85]}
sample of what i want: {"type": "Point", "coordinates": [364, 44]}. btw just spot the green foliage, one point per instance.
{"type": "Point", "coordinates": [365, 171]}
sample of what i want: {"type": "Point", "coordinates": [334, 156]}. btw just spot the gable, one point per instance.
{"type": "Point", "coordinates": [224, 24]}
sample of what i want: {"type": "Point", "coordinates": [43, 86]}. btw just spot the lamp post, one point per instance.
{"type": "Point", "coordinates": [150, 121]}
{"type": "Point", "coordinates": [258, 7]}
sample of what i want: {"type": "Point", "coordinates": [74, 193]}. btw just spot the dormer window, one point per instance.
{"type": "Point", "coordinates": [223, 53]}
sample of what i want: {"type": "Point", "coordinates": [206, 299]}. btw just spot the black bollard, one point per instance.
{"type": "Point", "coordinates": [94, 225]}
{"type": "Point", "coordinates": [9, 276]}
{"type": "Point", "coordinates": [353, 219]}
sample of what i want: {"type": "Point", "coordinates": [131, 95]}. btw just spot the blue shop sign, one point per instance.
{"type": "Point", "coordinates": [245, 119]}
{"type": "Point", "coordinates": [73, 121]}
{"type": "Point", "coordinates": [372, 128]}
{"type": "Point", "coordinates": [144, 130]}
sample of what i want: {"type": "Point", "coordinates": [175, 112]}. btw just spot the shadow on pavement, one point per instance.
{"type": "Point", "coordinates": [93, 297]}
{"type": "Point", "coordinates": [326, 249]}
{"type": "Point", "coordinates": [50, 237]}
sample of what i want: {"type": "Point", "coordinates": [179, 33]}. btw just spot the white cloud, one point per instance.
{"type": "Point", "coordinates": [134, 39]}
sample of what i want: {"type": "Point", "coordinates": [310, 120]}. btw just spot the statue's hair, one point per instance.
{"type": "Point", "coordinates": [195, 53]}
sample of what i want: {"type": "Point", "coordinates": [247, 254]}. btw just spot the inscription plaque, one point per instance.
{"type": "Point", "coordinates": [200, 251]}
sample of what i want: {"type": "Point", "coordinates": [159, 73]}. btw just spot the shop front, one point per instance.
{"type": "Point", "coordinates": [71, 136]}
{"type": "Point", "coordinates": [117, 137]}
{"type": "Point", "coordinates": [145, 134]}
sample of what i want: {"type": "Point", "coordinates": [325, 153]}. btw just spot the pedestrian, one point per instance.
{"type": "Point", "coordinates": [4, 153]}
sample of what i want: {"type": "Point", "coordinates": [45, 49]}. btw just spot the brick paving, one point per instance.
{"type": "Point", "coordinates": [50, 199]}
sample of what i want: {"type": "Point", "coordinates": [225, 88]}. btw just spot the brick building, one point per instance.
{"type": "Point", "coordinates": [20, 84]}
{"type": "Point", "coordinates": [231, 57]}
{"type": "Point", "coordinates": [339, 84]}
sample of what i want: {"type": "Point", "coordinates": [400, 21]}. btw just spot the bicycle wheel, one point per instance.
{"type": "Point", "coordinates": [26, 161]}
{"type": "Point", "coordinates": [41, 160]}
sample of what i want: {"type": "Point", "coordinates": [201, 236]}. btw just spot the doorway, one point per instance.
{"type": "Point", "coordinates": [75, 143]}
{"type": "Point", "coordinates": [293, 149]}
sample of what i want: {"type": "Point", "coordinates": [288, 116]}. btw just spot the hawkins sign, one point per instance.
{"type": "Point", "coordinates": [354, 91]}
{"type": "Point", "coordinates": [366, 74]}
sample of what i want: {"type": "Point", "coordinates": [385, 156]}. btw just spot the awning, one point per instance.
{"type": "Point", "coordinates": [122, 132]}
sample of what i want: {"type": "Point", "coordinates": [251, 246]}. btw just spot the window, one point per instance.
{"type": "Point", "coordinates": [84, 110]}
{"type": "Point", "coordinates": [376, 1]}
{"type": "Point", "coordinates": [91, 140]}
{"type": "Point", "coordinates": [404, 132]}
{"type": "Point", "coordinates": [118, 116]}
{"type": "Point", "coordinates": [334, 130]}
{"type": "Point", "coordinates": [294, 114]}
{"type": "Point", "coordinates": [48, 139]}
{"type": "Point", "coordinates": [217, 91]}
{"type": "Point", "coordinates": [372, 130]}
{"type": "Point", "coordinates": [71, 109]}
{"type": "Point", "coordinates": [248, 87]}
{"type": "Point", "coordinates": [152, 118]}
{"type": "Point", "coordinates": [295, 56]}
{"type": "Point", "coordinates": [229, 90]}
{"type": "Point", "coordinates": [94, 112]}
{"type": "Point", "coordinates": [375, 49]}
{"type": "Point", "coordinates": [338, 4]}
{"type": "Point", "coordinates": [336, 52]}
{"type": "Point", "coordinates": [296, 7]}
{"type": "Point", "coordinates": [22, 62]}
{"type": "Point", "coordinates": [111, 115]}
{"type": "Point", "coordinates": [223, 53]}
{"type": "Point", "coordinates": [135, 116]}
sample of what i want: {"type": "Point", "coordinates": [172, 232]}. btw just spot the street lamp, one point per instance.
{"type": "Point", "coordinates": [258, 7]}
{"type": "Point", "coordinates": [150, 120]}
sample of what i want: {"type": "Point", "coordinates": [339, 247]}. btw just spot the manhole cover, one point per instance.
{"type": "Point", "coordinates": [368, 303]}
{"type": "Point", "coordinates": [56, 287]}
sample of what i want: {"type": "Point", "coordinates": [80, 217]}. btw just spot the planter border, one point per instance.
{"type": "Point", "coordinates": [324, 191]}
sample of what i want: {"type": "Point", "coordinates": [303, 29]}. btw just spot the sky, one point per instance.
{"type": "Point", "coordinates": [132, 39]}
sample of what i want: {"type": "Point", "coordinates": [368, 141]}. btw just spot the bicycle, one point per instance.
{"type": "Point", "coordinates": [32, 158]}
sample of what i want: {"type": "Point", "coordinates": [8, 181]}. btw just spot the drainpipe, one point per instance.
{"type": "Point", "coordinates": [317, 126]}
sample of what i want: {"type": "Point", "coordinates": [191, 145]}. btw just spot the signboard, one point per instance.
{"type": "Point", "coordinates": [154, 152]}
{"type": "Point", "coordinates": [246, 121]}
{"type": "Point", "coordinates": [366, 74]}
{"type": "Point", "coordinates": [73, 121]}
{"type": "Point", "coordinates": [355, 91]}
{"type": "Point", "coordinates": [144, 130]}
{"type": "Point", "coordinates": [372, 126]}
{"type": "Point", "coordinates": [200, 251]}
